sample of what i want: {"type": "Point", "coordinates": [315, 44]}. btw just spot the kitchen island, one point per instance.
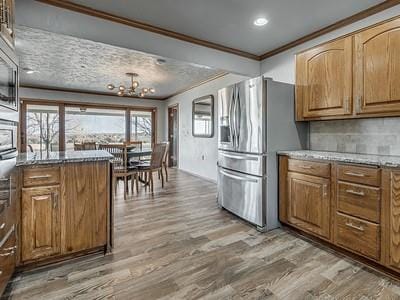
{"type": "Point", "coordinates": [65, 207]}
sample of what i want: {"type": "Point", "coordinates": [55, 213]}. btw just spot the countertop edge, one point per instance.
{"type": "Point", "coordinates": [364, 159]}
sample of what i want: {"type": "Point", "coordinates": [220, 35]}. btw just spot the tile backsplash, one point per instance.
{"type": "Point", "coordinates": [366, 136]}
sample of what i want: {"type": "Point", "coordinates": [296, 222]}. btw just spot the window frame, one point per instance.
{"type": "Point", "coordinates": [61, 108]}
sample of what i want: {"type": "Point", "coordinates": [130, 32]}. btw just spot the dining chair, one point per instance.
{"type": "Point", "coordinates": [121, 167]}
{"type": "Point", "coordinates": [89, 146]}
{"type": "Point", "coordinates": [155, 165]}
{"type": "Point", "coordinates": [165, 160]}
{"type": "Point", "coordinates": [78, 146]}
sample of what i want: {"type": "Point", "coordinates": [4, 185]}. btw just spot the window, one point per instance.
{"type": "Point", "coordinates": [43, 127]}
{"type": "Point", "coordinates": [142, 127]}
{"type": "Point", "coordinates": [59, 126]}
{"type": "Point", "coordinates": [86, 124]}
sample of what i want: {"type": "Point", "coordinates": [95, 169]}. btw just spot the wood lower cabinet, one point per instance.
{"type": "Point", "coordinates": [309, 203]}
{"type": "Point", "coordinates": [391, 220]}
{"type": "Point", "coordinates": [377, 69]}
{"type": "Point", "coordinates": [356, 209]}
{"type": "Point", "coordinates": [324, 80]}
{"type": "Point", "coordinates": [85, 206]}
{"type": "Point", "coordinates": [41, 230]}
{"type": "Point", "coordinates": [65, 209]}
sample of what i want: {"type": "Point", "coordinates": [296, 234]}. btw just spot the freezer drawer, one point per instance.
{"type": "Point", "coordinates": [243, 195]}
{"type": "Point", "coordinates": [246, 163]}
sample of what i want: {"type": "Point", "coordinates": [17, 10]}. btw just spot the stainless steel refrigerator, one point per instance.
{"type": "Point", "coordinates": [255, 120]}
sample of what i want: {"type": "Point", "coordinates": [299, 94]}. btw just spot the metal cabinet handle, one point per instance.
{"type": "Point", "coordinates": [40, 177]}
{"type": "Point", "coordinates": [354, 174]}
{"type": "Point", "coordinates": [55, 200]}
{"type": "Point", "coordinates": [10, 248]}
{"type": "Point", "coordinates": [355, 193]}
{"type": "Point", "coordinates": [7, 254]}
{"type": "Point", "coordinates": [2, 226]}
{"type": "Point", "coordinates": [306, 167]}
{"type": "Point", "coordinates": [351, 225]}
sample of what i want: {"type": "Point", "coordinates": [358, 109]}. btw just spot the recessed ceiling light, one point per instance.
{"type": "Point", "coordinates": [30, 71]}
{"type": "Point", "coordinates": [260, 22]}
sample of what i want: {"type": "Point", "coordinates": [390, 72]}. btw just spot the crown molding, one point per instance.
{"type": "Point", "coordinates": [37, 87]}
{"type": "Point", "coordinates": [144, 26]}
{"type": "Point", "coordinates": [339, 24]}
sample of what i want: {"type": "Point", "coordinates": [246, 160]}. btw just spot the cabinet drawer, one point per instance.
{"type": "Point", "coordinates": [357, 235]}
{"type": "Point", "coordinates": [310, 167]}
{"type": "Point", "coordinates": [41, 176]}
{"type": "Point", "coordinates": [357, 174]}
{"type": "Point", "coordinates": [359, 200]}
{"type": "Point", "coordinates": [7, 258]}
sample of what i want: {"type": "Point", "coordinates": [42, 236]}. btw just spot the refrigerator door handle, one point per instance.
{"type": "Point", "coordinates": [238, 177]}
{"type": "Point", "coordinates": [238, 114]}
{"type": "Point", "coordinates": [231, 117]}
{"type": "Point", "coordinates": [239, 157]}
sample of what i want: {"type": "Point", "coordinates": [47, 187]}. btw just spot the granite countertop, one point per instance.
{"type": "Point", "coordinates": [367, 159]}
{"type": "Point", "coordinates": [57, 157]}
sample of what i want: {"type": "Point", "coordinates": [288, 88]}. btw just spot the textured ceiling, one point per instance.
{"type": "Point", "coordinates": [230, 22]}
{"type": "Point", "coordinates": [67, 62]}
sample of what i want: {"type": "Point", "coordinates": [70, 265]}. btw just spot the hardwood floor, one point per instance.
{"type": "Point", "coordinates": [179, 245]}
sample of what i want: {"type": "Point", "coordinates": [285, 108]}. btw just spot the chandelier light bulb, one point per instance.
{"type": "Point", "coordinates": [121, 88]}
{"type": "Point", "coordinates": [110, 86]}
{"type": "Point", "coordinates": [152, 90]}
{"type": "Point", "coordinates": [141, 94]}
{"type": "Point", "coordinates": [120, 93]}
{"type": "Point", "coordinates": [145, 90]}
{"type": "Point", "coordinates": [135, 84]}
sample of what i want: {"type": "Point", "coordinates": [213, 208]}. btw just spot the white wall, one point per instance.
{"type": "Point", "coordinates": [99, 99]}
{"type": "Point", "coordinates": [281, 67]}
{"type": "Point", "coordinates": [192, 149]}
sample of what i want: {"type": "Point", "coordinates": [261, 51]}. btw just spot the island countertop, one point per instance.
{"type": "Point", "coordinates": [367, 159]}
{"type": "Point", "coordinates": [57, 157]}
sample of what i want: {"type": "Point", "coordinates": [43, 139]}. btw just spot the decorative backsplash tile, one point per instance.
{"type": "Point", "coordinates": [366, 136]}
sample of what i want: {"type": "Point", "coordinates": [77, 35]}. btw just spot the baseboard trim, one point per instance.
{"type": "Point", "coordinates": [197, 175]}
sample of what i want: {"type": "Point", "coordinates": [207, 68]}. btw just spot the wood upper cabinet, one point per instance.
{"type": "Point", "coordinates": [324, 80]}
{"type": "Point", "coordinates": [309, 203]}
{"type": "Point", "coordinates": [85, 194]}
{"type": "Point", "coordinates": [40, 228]}
{"type": "Point", "coordinates": [377, 69]}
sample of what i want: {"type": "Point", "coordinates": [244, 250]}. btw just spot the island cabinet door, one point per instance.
{"type": "Point", "coordinates": [377, 69]}
{"type": "Point", "coordinates": [40, 222]}
{"type": "Point", "coordinates": [309, 203]}
{"type": "Point", "coordinates": [324, 80]}
{"type": "Point", "coordinates": [86, 194]}
{"type": "Point", "coordinates": [391, 219]}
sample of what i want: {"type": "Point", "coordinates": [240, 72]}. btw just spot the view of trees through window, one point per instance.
{"type": "Point", "coordinates": [42, 124]}
{"type": "Point", "coordinates": [84, 124]}
{"type": "Point", "coordinates": [141, 127]}
{"type": "Point", "coordinates": [93, 125]}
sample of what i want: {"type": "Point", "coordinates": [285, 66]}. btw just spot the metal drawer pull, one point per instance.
{"type": "Point", "coordinates": [354, 174]}
{"type": "Point", "coordinates": [351, 225]}
{"type": "Point", "coordinates": [7, 254]}
{"type": "Point", "coordinates": [355, 193]}
{"type": "Point", "coordinates": [306, 167]}
{"type": "Point", "coordinates": [40, 176]}
{"type": "Point", "coordinates": [2, 226]}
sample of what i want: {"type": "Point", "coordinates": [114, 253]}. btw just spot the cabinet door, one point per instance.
{"type": "Point", "coordinates": [40, 222]}
{"type": "Point", "coordinates": [309, 203]}
{"type": "Point", "coordinates": [86, 194]}
{"type": "Point", "coordinates": [324, 80]}
{"type": "Point", "coordinates": [377, 69]}
{"type": "Point", "coordinates": [391, 220]}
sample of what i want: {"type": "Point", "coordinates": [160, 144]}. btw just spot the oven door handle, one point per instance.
{"type": "Point", "coordinates": [9, 154]}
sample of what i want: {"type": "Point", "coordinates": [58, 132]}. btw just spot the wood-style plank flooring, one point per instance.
{"type": "Point", "coordinates": [179, 245]}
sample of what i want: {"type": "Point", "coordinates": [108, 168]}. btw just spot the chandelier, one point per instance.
{"type": "Point", "coordinates": [132, 90]}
